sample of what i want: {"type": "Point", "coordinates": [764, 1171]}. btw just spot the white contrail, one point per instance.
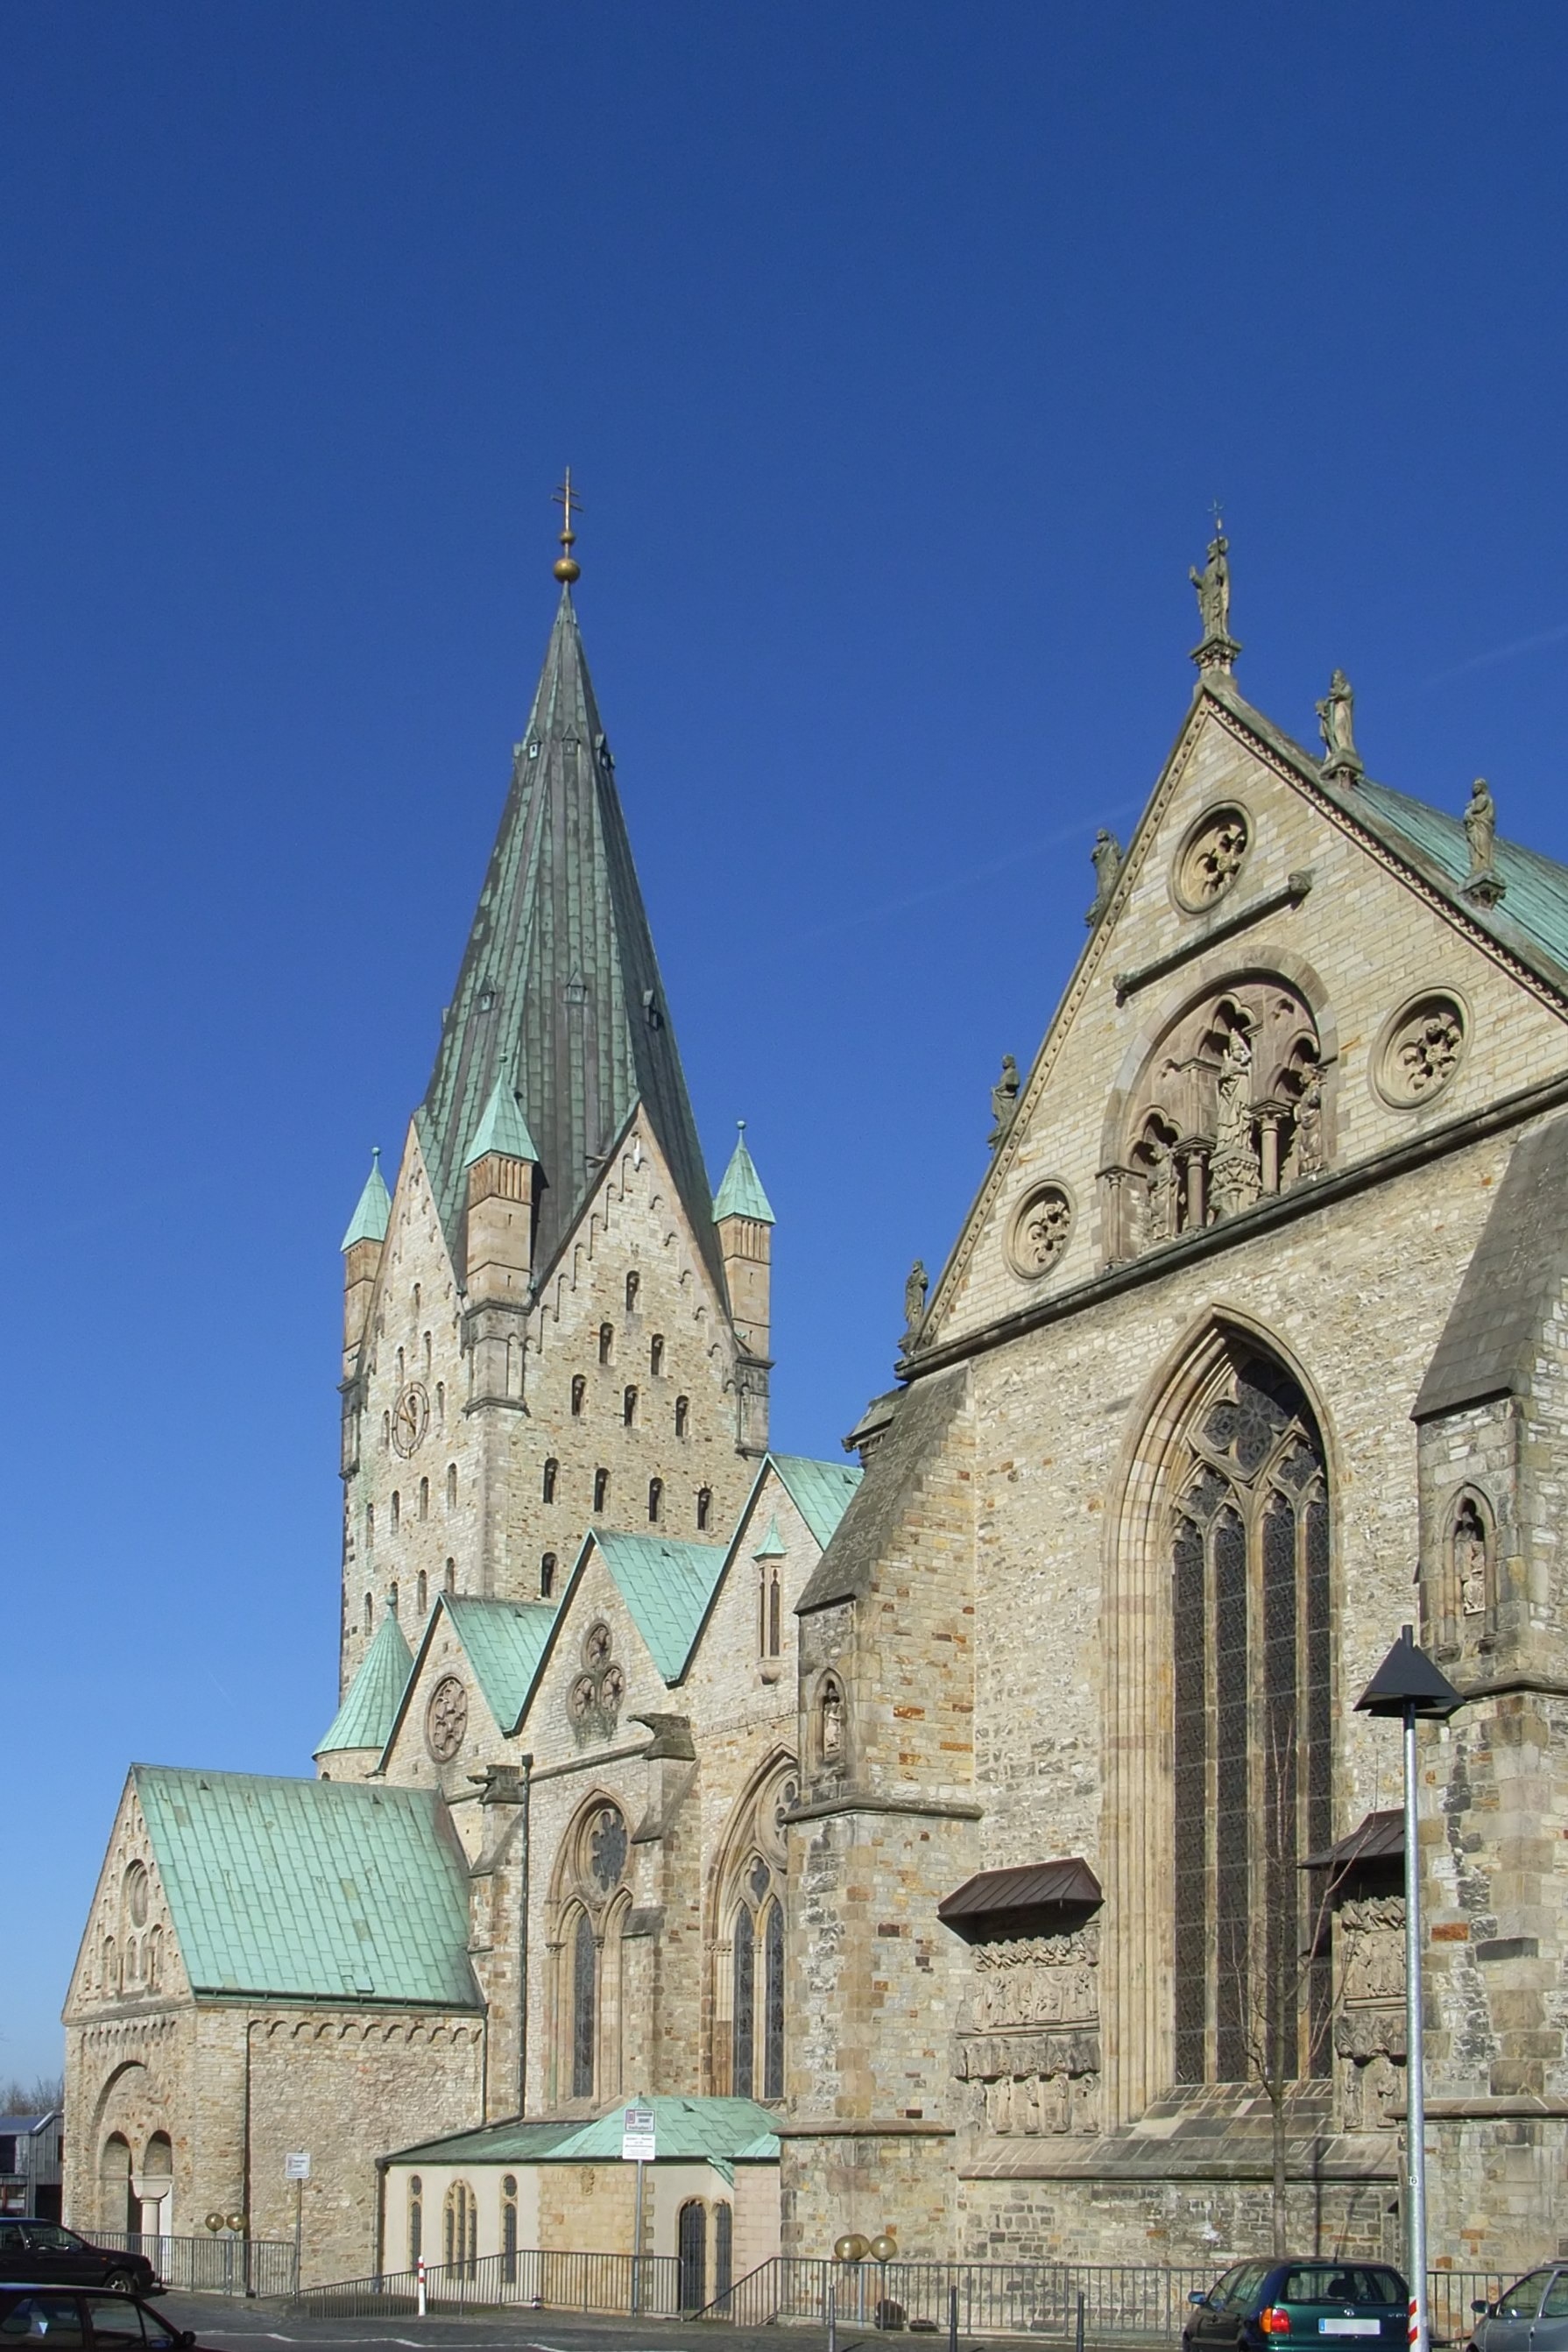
{"type": "Point", "coordinates": [1499, 654]}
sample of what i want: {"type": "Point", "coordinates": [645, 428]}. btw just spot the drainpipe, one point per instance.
{"type": "Point", "coordinates": [524, 1953]}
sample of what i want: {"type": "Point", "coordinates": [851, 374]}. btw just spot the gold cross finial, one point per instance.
{"type": "Point", "coordinates": [566, 568]}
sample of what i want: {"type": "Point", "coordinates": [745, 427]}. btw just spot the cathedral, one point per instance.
{"type": "Point", "coordinates": [974, 1839]}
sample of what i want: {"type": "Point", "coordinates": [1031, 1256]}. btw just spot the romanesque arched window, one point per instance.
{"type": "Point", "coordinates": [1249, 1559]}
{"type": "Point", "coordinates": [601, 1489]}
{"type": "Point", "coordinates": [656, 1354]}
{"type": "Point", "coordinates": [704, 1507]}
{"type": "Point", "coordinates": [629, 1407]}
{"type": "Point", "coordinates": [682, 1414]}
{"type": "Point", "coordinates": [655, 1501]}
{"type": "Point", "coordinates": [552, 1473]}
{"type": "Point", "coordinates": [579, 1390]}
{"type": "Point", "coordinates": [547, 1576]}
{"type": "Point", "coordinates": [451, 1576]}
{"type": "Point", "coordinates": [452, 1486]}
{"type": "Point", "coordinates": [634, 1284]}
{"type": "Point", "coordinates": [606, 1343]}
{"type": "Point", "coordinates": [369, 1614]}
{"type": "Point", "coordinates": [422, 1593]}
{"type": "Point", "coordinates": [397, 1510]}
{"type": "Point", "coordinates": [425, 1499]}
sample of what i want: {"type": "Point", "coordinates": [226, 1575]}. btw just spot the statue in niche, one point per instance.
{"type": "Point", "coordinates": [1336, 723]}
{"type": "Point", "coordinates": [915, 1288]}
{"type": "Point", "coordinates": [1160, 1195]}
{"type": "Point", "coordinates": [1235, 1112]}
{"type": "Point", "coordinates": [1054, 2097]}
{"type": "Point", "coordinates": [832, 1722]}
{"type": "Point", "coordinates": [1470, 1559]}
{"type": "Point", "coordinates": [1310, 1127]}
{"type": "Point", "coordinates": [1213, 586]}
{"type": "Point", "coordinates": [1003, 1100]}
{"type": "Point", "coordinates": [1480, 826]}
{"type": "Point", "coordinates": [1107, 858]}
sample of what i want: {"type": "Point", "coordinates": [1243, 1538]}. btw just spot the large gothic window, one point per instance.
{"type": "Point", "coordinates": [589, 1887]}
{"type": "Point", "coordinates": [1250, 1537]}
{"type": "Point", "coordinates": [748, 2051]}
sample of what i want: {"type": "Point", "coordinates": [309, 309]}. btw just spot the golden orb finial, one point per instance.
{"type": "Point", "coordinates": [567, 568]}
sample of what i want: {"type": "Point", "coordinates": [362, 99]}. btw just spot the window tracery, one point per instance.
{"type": "Point", "coordinates": [1252, 1797]}
{"type": "Point", "coordinates": [594, 1904]}
{"type": "Point", "coordinates": [750, 1953]}
{"type": "Point", "coordinates": [1227, 1109]}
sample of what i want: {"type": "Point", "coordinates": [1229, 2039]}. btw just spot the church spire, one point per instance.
{"type": "Point", "coordinates": [560, 990]}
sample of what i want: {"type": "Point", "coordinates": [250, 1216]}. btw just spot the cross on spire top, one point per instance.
{"type": "Point", "coordinates": [566, 567]}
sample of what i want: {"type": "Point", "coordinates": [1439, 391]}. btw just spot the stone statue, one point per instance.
{"type": "Point", "coordinates": [832, 1722]}
{"type": "Point", "coordinates": [1231, 1126]}
{"type": "Point", "coordinates": [1336, 718]}
{"type": "Point", "coordinates": [1470, 1560]}
{"type": "Point", "coordinates": [1480, 826]}
{"type": "Point", "coordinates": [1160, 1220]}
{"type": "Point", "coordinates": [915, 1288]}
{"type": "Point", "coordinates": [1003, 1103]}
{"type": "Point", "coordinates": [1213, 585]}
{"type": "Point", "coordinates": [1310, 1127]}
{"type": "Point", "coordinates": [1107, 857]}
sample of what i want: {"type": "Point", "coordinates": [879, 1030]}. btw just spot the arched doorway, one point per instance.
{"type": "Point", "coordinates": [693, 2249]}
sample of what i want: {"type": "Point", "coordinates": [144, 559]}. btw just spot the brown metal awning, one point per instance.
{"type": "Point", "coordinates": [1022, 1901]}
{"type": "Point", "coordinates": [1377, 1837]}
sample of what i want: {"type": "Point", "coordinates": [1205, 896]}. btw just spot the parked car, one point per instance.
{"type": "Point", "coordinates": [46, 2254]}
{"type": "Point", "coordinates": [1533, 2317]}
{"type": "Point", "coordinates": [1253, 2304]}
{"type": "Point", "coordinates": [59, 2319]}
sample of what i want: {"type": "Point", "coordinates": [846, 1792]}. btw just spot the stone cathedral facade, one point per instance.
{"type": "Point", "coordinates": [975, 1838]}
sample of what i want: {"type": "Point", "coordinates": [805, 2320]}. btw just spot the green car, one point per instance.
{"type": "Point", "coordinates": [1255, 2304]}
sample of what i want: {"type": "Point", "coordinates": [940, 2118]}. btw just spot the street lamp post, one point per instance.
{"type": "Point", "coordinates": [1407, 1684]}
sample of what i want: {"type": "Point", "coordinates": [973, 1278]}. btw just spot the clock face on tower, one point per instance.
{"type": "Point", "coordinates": [410, 1419]}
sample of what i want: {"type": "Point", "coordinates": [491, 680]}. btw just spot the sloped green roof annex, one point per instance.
{"type": "Point", "coordinates": [686, 2131]}
{"type": "Point", "coordinates": [667, 1586]}
{"type": "Point", "coordinates": [373, 1211]}
{"type": "Point", "coordinates": [320, 1889]}
{"type": "Point", "coordinates": [504, 1642]}
{"type": "Point", "coordinates": [820, 1491]}
{"type": "Point", "coordinates": [741, 1194]}
{"type": "Point", "coordinates": [372, 1700]}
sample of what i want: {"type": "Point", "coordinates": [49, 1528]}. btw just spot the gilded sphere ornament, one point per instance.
{"type": "Point", "coordinates": [851, 2248]}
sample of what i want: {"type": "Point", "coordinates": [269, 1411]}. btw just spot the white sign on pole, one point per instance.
{"type": "Point", "coordinates": [638, 2135]}
{"type": "Point", "coordinates": [296, 2165]}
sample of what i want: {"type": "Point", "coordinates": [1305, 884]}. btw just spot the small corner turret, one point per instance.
{"type": "Point", "coordinates": [500, 1162]}
{"type": "Point", "coordinates": [361, 1258]}
{"type": "Point", "coordinates": [743, 1219]}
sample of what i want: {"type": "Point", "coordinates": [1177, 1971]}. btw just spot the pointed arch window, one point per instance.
{"type": "Point", "coordinates": [757, 1989]}
{"type": "Point", "coordinates": [391, 1596]}
{"type": "Point", "coordinates": [772, 2001]}
{"type": "Point", "coordinates": [742, 2065]}
{"type": "Point", "coordinates": [452, 1486]}
{"type": "Point", "coordinates": [369, 1613]}
{"type": "Point", "coordinates": [425, 1499]}
{"type": "Point", "coordinates": [462, 2227]}
{"type": "Point", "coordinates": [451, 1576]}
{"type": "Point", "coordinates": [1250, 1558]}
{"type": "Point", "coordinates": [397, 1510]}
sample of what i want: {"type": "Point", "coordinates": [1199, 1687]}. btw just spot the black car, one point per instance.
{"type": "Point", "coordinates": [60, 2319]}
{"type": "Point", "coordinates": [47, 2255]}
{"type": "Point", "coordinates": [1255, 2304]}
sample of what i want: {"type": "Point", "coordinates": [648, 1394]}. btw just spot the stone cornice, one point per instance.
{"type": "Point", "coordinates": [1281, 1209]}
{"type": "Point", "coordinates": [1289, 893]}
{"type": "Point", "coordinates": [866, 1800]}
{"type": "Point", "coordinates": [862, 2127]}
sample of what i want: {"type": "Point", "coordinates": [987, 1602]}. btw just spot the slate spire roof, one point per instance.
{"type": "Point", "coordinates": [560, 994]}
{"type": "Point", "coordinates": [741, 1194]}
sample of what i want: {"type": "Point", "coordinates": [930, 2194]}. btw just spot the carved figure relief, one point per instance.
{"type": "Point", "coordinates": [1041, 1230]}
{"type": "Point", "coordinates": [1228, 1109]}
{"type": "Point", "coordinates": [1422, 1047]}
{"type": "Point", "coordinates": [830, 1740]}
{"type": "Point", "coordinates": [1210, 858]}
{"type": "Point", "coordinates": [1472, 1564]}
{"type": "Point", "coordinates": [1032, 2038]}
{"type": "Point", "coordinates": [1369, 2033]}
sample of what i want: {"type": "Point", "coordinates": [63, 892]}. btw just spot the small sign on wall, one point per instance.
{"type": "Point", "coordinates": [638, 2135]}
{"type": "Point", "coordinates": [297, 2166]}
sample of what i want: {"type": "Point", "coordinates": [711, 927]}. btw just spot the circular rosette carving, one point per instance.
{"type": "Point", "coordinates": [1421, 1048]}
{"type": "Point", "coordinates": [446, 1719]}
{"type": "Point", "coordinates": [1210, 857]}
{"type": "Point", "coordinates": [1041, 1229]}
{"type": "Point", "coordinates": [579, 1699]}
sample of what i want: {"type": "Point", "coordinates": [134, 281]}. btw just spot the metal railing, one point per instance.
{"type": "Point", "coordinates": [645, 2285]}
{"type": "Point", "coordinates": [212, 2265]}
{"type": "Point", "coordinates": [1120, 2301]}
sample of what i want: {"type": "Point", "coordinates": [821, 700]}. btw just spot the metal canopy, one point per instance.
{"type": "Point", "coordinates": [996, 1902]}
{"type": "Point", "coordinates": [1408, 1680]}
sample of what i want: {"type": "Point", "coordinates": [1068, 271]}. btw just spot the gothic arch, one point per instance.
{"type": "Point", "coordinates": [1471, 1570]}
{"type": "Point", "coordinates": [1140, 1725]}
{"type": "Point", "coordinates": [747, 1904]}
{"type": "Point", "coordinates": [587, 1911]}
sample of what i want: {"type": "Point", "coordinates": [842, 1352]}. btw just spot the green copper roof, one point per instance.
{"type": "Point", "coordinates": [1536, 896]}
{"type": "Point", "coordinates": [773, 1546]}
{"type": "Point", "coordinates": [686, 2131]}
{"type": "Point", "coordinates": [369, 1220]}
{"type": "Point", "coordinates": [667, 1586]}
{"type": "Point", "coordinates": [559, 989]}
{"type": "Point", "coordinates": [370, 1705]}
{"type": "Point", "coordinates": [742, 1194]}
{"type": "Point", "coordinates": [504, 1642]}
{"type": "Point", "coordinates": [327, 1889]}
{"type": "Point", "coordinates": [820, 1491]}
{"type": "Point", "coordinates": [502, 1128]}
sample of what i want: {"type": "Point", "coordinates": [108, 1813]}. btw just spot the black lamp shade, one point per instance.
{"type": "Point", "coordinates": [1408, 1680]}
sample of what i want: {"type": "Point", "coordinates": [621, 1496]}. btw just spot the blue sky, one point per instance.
{"type": "Point", "coordinates": [899, 352]}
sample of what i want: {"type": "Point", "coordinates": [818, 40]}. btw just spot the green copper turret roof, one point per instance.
{"type": "Point", "coordinates": [502, 1128]}
{"type": "Point", "coordinates": [370, 1702]}
{"type": "Point", "coordinates": [742, 1194]}
{"type": "Point", "coordinates": [560, 987]}
{"type": "Point", "coordinates": [369, 1222]}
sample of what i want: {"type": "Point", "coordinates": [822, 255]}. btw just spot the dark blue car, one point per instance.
{"type": "Point", "coordinates": [1303, 2297]}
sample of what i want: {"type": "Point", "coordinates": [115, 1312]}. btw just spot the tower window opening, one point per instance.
{"type": "Point", "coordinates": [551, 1471]}
{"type": "Point", "coordinates": [440, 1404]}
{"type": "Point", "coordinates": [387, 1432]}
{"type": "Point", "coordinates": [402, 1368]}
{"type": "Point", "coordinates": [606, 1343]}
{"type": "Point", "coordinates": [629, 1407]}
{"type": "Point", "coordinates": [452, 1486]}
{"type": "Point", "coordinates": [397, 1510]}
{"type": "Point", "coordinates": [391, 1596]}
{"type": "Point", "coordinates": [601, 1489]}
{"type": "Point", "coordinates": [634, 1284]}
{"type": "Point", "coordinates": [369, 1529]}
{"type": "Point", "coordinates": [704, 1506]}
{"type": "Point", "coordinates": [425, 1499]}
{"type": "Point", "coordinates": [422, 1593]}
{"type": "Point", "coordinates": [656, 1354]}
{"type": "Point", "coordinates": [451, 1576]}
{"type": "Point", "coordinates": [426, 1345]}
{"type": "Point", "coordinates": [655, 1500]}
{"type": "Point", "coordinates": [579, 1390]}
{"type": "Point", "coordinates": [682, 1414]}
{"type": "Point", "coordinates": [547, 1576]}
{"type": "Point", "coordinates": [418, 1294]}
{"type": "Point", "coordinates": [369, 1613]}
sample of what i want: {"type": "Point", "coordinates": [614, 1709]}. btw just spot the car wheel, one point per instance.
{"type": "Point", "coordinates": [120, 2282]}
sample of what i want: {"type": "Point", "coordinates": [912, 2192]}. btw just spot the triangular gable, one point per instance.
{"type": "Point", "coordinates": [324, 1889]}
{"type": "Point", "coordinates": [506, 1643]}
{"type": "Point", "coordinates": [1418, 846]}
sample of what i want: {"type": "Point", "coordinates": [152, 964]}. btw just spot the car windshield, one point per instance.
{"type": "Point", "coordinates": [1522, 2300]}
{"type": "Point", "coordinates": [1339, 2283]}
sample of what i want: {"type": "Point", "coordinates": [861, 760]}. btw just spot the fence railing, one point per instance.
{"type": "Point", "coordinates": [1123, 2303]}
{"type": "Point", "coordinates": [212, 2265]}
{"type": "Point", "coordinates": [645, 2285]}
